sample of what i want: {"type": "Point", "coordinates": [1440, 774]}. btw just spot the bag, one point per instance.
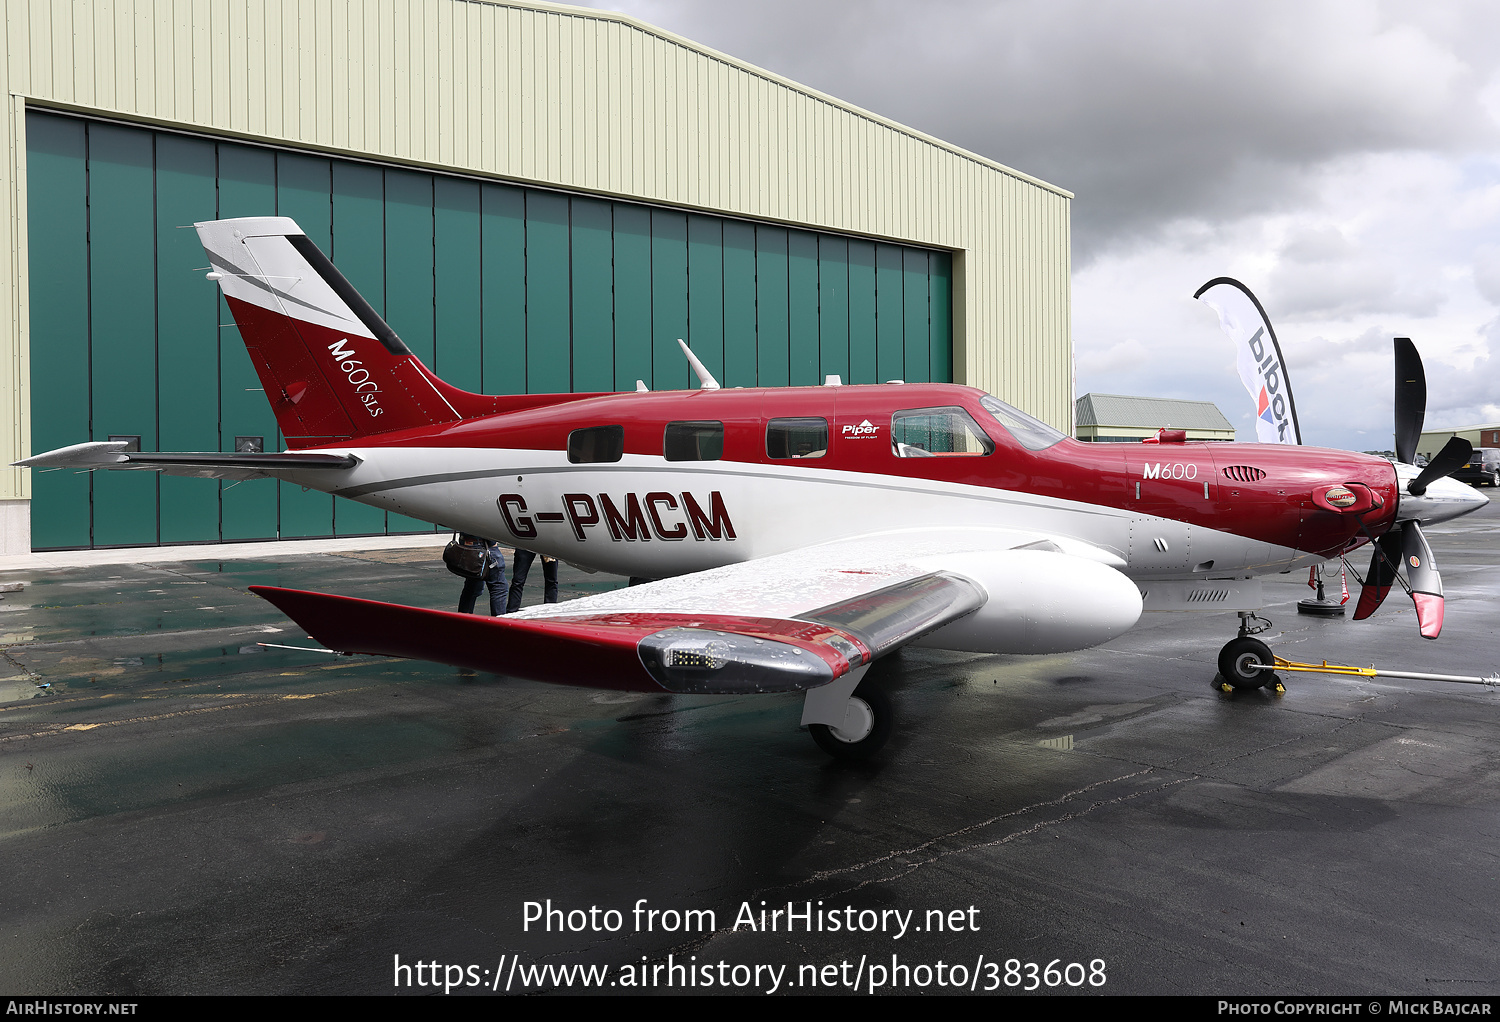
{"type": "Point", "coordinates": [466, 559]}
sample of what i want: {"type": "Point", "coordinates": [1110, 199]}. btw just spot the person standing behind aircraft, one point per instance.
{"type": "Point", "coordinates": [492, 576]}
{"type": "Point", "coordinates": [521, 568]}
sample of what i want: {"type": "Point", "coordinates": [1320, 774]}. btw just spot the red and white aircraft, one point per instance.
{"type": "Point", "coordinates": [799, 533]}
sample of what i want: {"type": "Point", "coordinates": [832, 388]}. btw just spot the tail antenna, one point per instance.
{"type": "Point", "coordinates": [706, 380]}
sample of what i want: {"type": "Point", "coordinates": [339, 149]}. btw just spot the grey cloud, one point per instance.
{"type": "Point", "coordinates": [1348, 384]}
{"type": "Point", "coordinates": [1150, 112]}
{"type": "Point", "coordinates": [1487, 275]}
{"type": "Point", "coordinates": [1337, 290]}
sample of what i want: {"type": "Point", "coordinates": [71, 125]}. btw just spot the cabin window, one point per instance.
{"type": "Point", "coordinates": [937, 433]}
{"type": "Point", "coordinates": [693, 441]}
{"type": "Point", "coordinates": [797, 438]}
{"type": "Point", "coordinates": [596, 444]}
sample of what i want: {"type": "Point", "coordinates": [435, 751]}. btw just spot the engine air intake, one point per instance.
{"type": "Point", "coordinates": [1244, 473]}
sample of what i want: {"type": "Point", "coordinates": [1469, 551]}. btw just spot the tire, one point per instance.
{"type": "Point", "coordinates": [1495, 478]}
{"type": "Point", "coordinates": [853, 748]}
{"type": "Point", "coordinates": [1239, 652]}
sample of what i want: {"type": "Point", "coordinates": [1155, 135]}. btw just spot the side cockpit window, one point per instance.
{"type": "Point", "coordinates": [1033, 433]}
{"type": "Point", "coordinates": [596, 444]}
{"type": "Point", "coordinates": [693, 441]}
{"type": "Point", "coordinates": [937, 433]}
{"type": "Point", "coordinates": [797, 438]}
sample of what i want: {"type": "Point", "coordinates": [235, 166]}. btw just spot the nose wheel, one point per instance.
{"type": "Point", "coordinates": [1238, 659]}
{"type": "Point", "coordinates": [1235, 661]}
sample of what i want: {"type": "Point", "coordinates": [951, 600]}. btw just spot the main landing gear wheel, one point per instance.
{"type": "Point", "coordinates": [1234, 659]}
{"type": "Point", "coordinates": [866, 726]}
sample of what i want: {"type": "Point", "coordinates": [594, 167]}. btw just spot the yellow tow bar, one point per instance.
{"type": "Point", "coordinates": [1371, 672]}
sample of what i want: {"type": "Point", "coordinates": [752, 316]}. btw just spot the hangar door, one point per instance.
{"type": "Point", "coordinates": [498, 288]}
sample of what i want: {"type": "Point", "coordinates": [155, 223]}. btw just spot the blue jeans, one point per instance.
{"type": "Point", "coordinates": [521, 569]}
{"type": "Point", "coordinates": [494, 577]}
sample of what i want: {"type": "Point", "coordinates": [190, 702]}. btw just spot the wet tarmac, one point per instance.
{"type": "Point", "coordinates": [183, 810]}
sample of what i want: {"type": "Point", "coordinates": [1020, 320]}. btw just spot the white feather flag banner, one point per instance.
{"type": "Point", "coordinates": [1258, 358]}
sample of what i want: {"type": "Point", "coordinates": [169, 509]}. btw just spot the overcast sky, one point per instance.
{"type": "Point", "coordinates": [1341, 159]}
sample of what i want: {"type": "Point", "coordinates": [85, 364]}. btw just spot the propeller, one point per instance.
{"type": "Point", "coordinates": [1411, 400]}
{"type": "Point", "coordinates": [1382, 575]}
{"type": "Point", "coordinates": [1426, 583]}
{"type": "Point", "coordinates": [1454, 456]}
{"type": "Point", "coordinates": [1404, 547]}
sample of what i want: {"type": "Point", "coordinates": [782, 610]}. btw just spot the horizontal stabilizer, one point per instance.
{"type": "Point", "coordinates": [210, 465]}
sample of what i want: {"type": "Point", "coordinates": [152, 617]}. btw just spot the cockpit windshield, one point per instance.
{"type": "Point", "coordinates": [1033, 434]}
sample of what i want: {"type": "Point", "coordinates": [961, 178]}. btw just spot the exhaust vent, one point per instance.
{"type": "Point", "coordinates": [1207, 595]}
{"type": "Point", "coordinates": [1244, 473]}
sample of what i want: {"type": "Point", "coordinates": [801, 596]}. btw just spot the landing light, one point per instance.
{"type": "Point", "coordinates": [700, 659]}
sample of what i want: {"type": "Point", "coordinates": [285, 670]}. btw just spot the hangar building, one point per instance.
{"type": "Point", "coordinates": [1115, 418]}
{"type": "Point", "coordinates": [1481, 434]}
{"type": "Point", "coordinates": [536, 197]}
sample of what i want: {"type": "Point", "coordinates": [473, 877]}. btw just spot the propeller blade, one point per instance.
{"type": "Point", "coordinates": [1426, 583]}
{"type": "Point", "coordinates": [1454, 456]}
{"type": "Point", "coordinates": [1411, 399]}
{"type": "Point", "coordinates": [1382, 576]}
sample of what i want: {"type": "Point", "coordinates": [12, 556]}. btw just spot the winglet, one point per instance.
{"type": "Point", "coordinates": [705, 379]}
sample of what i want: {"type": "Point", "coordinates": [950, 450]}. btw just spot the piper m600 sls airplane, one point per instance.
{"type": "Point", "coordinates": [798, 533]}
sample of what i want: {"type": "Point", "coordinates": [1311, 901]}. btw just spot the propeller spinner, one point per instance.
{"type": "Point", "coordinates": [1427, 495]}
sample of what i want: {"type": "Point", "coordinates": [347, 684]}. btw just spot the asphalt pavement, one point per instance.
{"type": "Point", "coordinates": [185, 810]}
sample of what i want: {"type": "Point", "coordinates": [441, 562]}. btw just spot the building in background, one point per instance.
{"type": "Point", "coordinates": [1484, 434]}
{"type": "Point", "coordinates": [1114, 418]}
{"type": "Point", "coordinates": [536, 197]}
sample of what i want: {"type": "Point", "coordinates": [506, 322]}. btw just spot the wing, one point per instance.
{"type": "Point", "coordinates": [211, 465]}
{"type": "Point", "coordinates": [786, 623]}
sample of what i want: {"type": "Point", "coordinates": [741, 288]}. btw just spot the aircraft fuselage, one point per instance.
{"type": "Point", "coordinates": [1165, 510]}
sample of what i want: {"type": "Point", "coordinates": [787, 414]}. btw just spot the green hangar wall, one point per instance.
{"type": "Point", "coordinates": [537, 197]}
{"type": "Point", "coordinates": [497, 288]}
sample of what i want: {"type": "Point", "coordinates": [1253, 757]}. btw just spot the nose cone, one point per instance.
{"type": "Point", "coordinates": [1445, 499]}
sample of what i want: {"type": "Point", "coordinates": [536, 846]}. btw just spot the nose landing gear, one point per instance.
{"type": "Point", "coordinates": [1236, 673]}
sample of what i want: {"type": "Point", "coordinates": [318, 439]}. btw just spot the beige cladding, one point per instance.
{"type": "Point", "coordinates": [540, 93]}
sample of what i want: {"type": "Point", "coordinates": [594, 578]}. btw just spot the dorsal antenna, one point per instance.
{"type": "Point", "coordinates": [705, 379]}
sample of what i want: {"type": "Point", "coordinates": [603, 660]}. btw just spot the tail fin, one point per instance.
{"type": "Point", "coordinates": [332, 369]}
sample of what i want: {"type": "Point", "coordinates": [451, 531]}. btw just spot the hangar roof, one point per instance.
{"type": "Point", "coordinates": [1149, 412]}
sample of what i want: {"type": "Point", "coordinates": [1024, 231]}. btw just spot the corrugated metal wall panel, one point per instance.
{"type": "Point", "coordinates": [496, 287]}
{"type": "Point", "coordinates": [580, 99]}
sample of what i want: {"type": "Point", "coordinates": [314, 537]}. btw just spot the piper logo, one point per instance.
{"type": "Point", "coordinates": [864, 429]}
